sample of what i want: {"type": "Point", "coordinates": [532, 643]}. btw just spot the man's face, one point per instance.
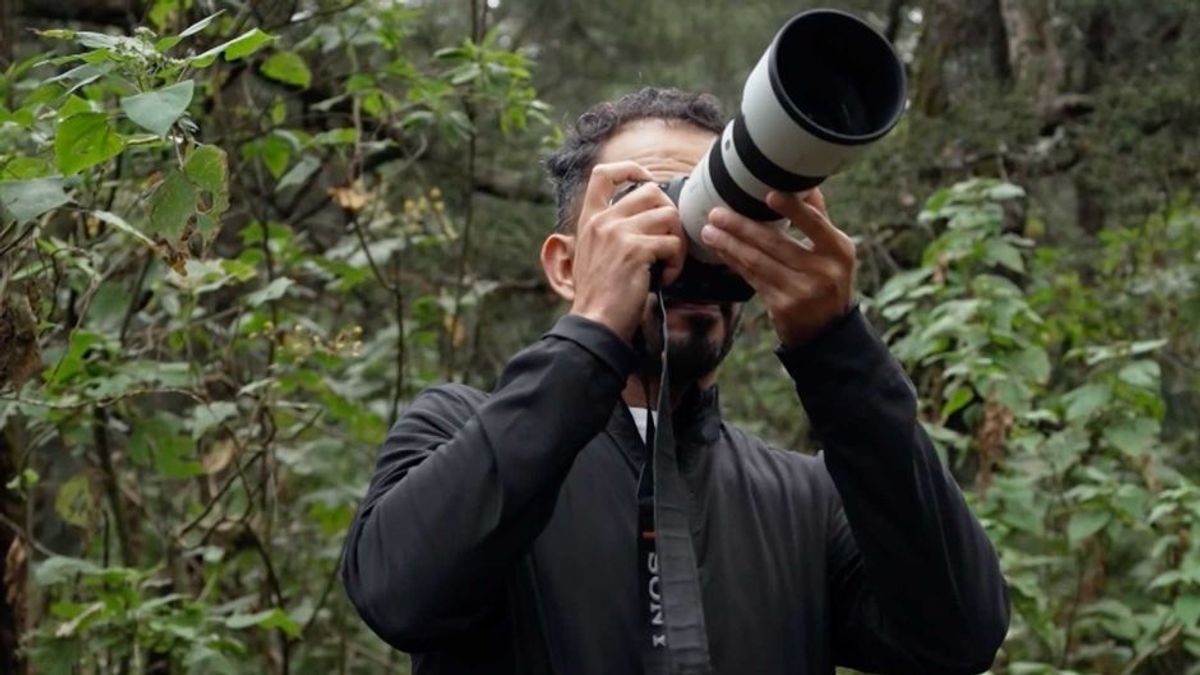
{"type": "Point", "coordinates": [700, 333]}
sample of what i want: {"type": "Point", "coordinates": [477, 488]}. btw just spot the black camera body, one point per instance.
{"type": "Point", "coordinates": [702, 281]}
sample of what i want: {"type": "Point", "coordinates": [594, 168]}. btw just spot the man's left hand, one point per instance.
{"type": "Point", "coordinates": [805, 285]}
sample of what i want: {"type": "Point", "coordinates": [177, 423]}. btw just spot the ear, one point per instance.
{"type": "Point", "coordinates": [558, 263]}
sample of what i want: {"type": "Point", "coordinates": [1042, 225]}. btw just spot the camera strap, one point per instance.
{"type": "Point", "coordinates": [676, 642]}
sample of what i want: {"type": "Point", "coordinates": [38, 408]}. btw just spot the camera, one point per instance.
{"type": "Point", "coordinates": [828, 86]}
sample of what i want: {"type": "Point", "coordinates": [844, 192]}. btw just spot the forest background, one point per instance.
{"type": "Point", "coordinates": [236, 238]}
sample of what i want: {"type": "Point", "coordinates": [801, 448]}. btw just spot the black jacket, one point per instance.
{"type": "Point", "coordinates": [499, 531]}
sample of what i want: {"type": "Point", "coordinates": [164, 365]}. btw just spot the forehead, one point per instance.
{"type": "Point", "coordinates": [665, 149]}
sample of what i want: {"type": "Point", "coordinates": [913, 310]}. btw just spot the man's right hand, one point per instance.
{"type": "Point", "coordinates": [616, 244]}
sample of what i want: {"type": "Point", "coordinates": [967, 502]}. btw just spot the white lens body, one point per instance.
{"type": "Point", "coordinates": [699, 196]}
{"type": "Point", "coordinates": [778, 136]}
{"type": "Point", "coordinates": [781, 138]}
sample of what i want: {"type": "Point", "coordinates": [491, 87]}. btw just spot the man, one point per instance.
{"type": "Point", "coordinates": [499, 534]}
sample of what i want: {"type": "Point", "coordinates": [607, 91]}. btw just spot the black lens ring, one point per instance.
{"type": "Point", "coordinates": [727, 188]}
{"type": "Point", "coordinates": [762, 167]}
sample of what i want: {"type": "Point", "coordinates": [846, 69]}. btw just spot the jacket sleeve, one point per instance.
{"type": "Point", "coordinates": [915, 586]}
{"type": "Point", "coordinates": [460, 492]}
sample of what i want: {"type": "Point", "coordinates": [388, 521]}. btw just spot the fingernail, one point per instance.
{"type": "Point", "coordinates": [709, 234]}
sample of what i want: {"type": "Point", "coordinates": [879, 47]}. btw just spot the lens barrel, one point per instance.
{"type": "Point", "coordinates": [827, 87]}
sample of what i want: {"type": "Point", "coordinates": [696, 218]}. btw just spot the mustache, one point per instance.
{"type": "Point", "coordinates": [726, 309]}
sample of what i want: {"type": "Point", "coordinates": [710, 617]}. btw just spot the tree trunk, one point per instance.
{"type": "Point", "coordinates": [14, 555]}
{"type": "Point", "coordinates": [1037, 64]}
{"type": "Point", "coordinates": [951, 54]}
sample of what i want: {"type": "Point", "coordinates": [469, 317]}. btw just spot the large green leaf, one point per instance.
{"type": "Point", "coordinates": [1133, 437]}
{"type": "Point", "coordinates": [1084, 524]}
{"type": "Point", "coordinates": [238, 48]}
{"type": "Point", "coordinates": [266, 619]}
{"type": "Point", "coordinates": [57, 569]}
{"type": "Point", "coordinates": [158, 440]}
{"type": "Point", "coordinates": [119, 223]}
{"type": "Point", "coordinates": [1187, 609]}
{"type": "Point", "coordinates": [76, 503]}
{"type": "Point", "coordinates": [1084, 401]}
{"type": "Point", "coordinates": [24, 200]}
{"type": "Point", "coordinates": [205, 417]}
{"type": "Point", "coordinates": [172, 205]}
{"type": "Point", "coordinates": [85, 140]}
{"type": "Point", "coordinates": [289, 68]}
{"type": "Point", "coordinates": [1144, 373]}
{"type": "Point", "coordinates": [207, 169]}
{"type": "Point", "coordinates": [157, 110]}
{"type": "Point", "coordinates": [272, 291]}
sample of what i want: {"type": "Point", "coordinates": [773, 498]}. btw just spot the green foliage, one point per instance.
{"type": "Point", "coordinates": [1061, 431]}
{"type": "Point", "coordinates": [246, 240]}
{"type": "Point", "coordinates": [209, 408]}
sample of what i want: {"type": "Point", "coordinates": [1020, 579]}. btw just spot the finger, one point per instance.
{"type": "Point", "coordinates": [646, 196]}
{"type": "Point", "coordinates": [657, 221]}
{"type": "Point", "coordinates": [605, 179]}
{"type": "Point", "coordinates": [752, 263]}
{"type": "Point", "coordinates": [671, 251]}
{"type": "Point", "coordinates": [772, 241]}
{"type": "Point", "coordinates": [817, 199]}
{"type": "Point", "coordinates": [809, 220]}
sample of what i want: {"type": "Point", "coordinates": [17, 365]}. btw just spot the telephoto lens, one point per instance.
{"type": "Point", "coordinates": [827, 87]}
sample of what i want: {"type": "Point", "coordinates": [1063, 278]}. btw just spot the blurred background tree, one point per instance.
{"type": "Point", "coordinates": [236, 239]}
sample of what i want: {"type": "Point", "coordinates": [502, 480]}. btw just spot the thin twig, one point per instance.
{"type": "Point", "coordinates": [20, 531]}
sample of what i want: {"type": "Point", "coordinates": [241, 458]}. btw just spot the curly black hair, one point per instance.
{"type": "Point", "coordinates": [569, 166]}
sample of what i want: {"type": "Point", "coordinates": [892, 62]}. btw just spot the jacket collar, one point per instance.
{"type": "Point", "coordinates": [697, 425]}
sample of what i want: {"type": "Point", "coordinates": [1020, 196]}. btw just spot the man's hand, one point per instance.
{"type": "Point", "coordinates": [805, 286]}
{"type": "Point", "coordinates": [616, 244]}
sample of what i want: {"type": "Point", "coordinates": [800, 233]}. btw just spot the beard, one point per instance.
{"type": "Point", "coordinates": [693, 351]}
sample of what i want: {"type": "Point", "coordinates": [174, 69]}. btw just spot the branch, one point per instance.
{"type": "Point", "coordinates": [123, 13]}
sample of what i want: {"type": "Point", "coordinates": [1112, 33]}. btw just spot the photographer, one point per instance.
{"type": "Point", "coordinates": [500, 531]}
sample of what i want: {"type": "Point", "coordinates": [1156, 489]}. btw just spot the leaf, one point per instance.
{"type": "Point", "coordinates": [1084, 401]}
{"type": "Point", "coordinates": [272, 291]}
{"type": "Point", "coordinates": [172, 205]}
{"type": "Point", "coordinates": [119, 223]}
{"type": "Point", "coordinates": [1031, 362]}
{"type": "Point", "coordinates": [342, 136]}
{"type": "Point", "coordinates": [238, 48]}
{"type": "Point", "coordinates": [1187, 609]}
{"type": "Point", "coordinates": [207, 169]}
{"type": "Point", "coordinates": [1004, 254]}
{"type": "Point", "coordinates": [266, 619]}
{"type": "Point", "coordinates": [157, 110]}
{"type": "Point", "coordinates": [157, 440]}
{"type": "Point", "coordinates": [957, 399]}
{"type": "Point", "coordinates": [1133, 437]}
{"type": "Point", "coordinates": [288, 67]}
{"type": "Point", "coordinates": [73, 361]}
{"type": "Point", "coordinates": [275, 152]}
{"type": "Point", "coordinates": [57, 569]}
{"type": "Point", "coordinates": [205, 417]}
{"type": "Point", "coordinates": [68, 628]}
{"type": "Point", "coordinates": [200, 25]}
{"type": "Point", "coordinates": [25, 168]}
{"type": "Point", "coordinates": [1084, 524]}
{"type": "Point", "coordinates": [219, 456]}
{"type": "Point", "coordinates": [1143, 373]}
{"type": "Point", "coordinates": [1005, 191]}
{"type": "Point", "coordinates": [299, 173]}
{"type": "Point", "coordinates": [85, 140]}
{"type": "Point", "coordinates": [24, 200]}
{"type": "Point", "coordinates": [76, 503]}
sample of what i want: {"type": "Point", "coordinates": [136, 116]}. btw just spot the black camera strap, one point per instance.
{"type": "Point", "coordinates": [675, 642]}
